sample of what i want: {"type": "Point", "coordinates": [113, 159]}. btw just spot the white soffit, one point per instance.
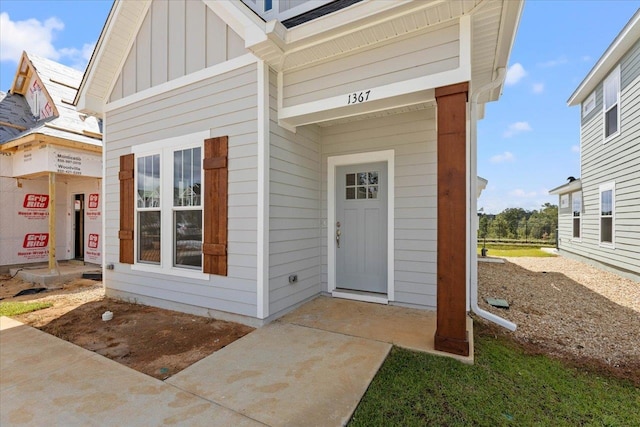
{"type": "Point", "coordinates": [110, 53]}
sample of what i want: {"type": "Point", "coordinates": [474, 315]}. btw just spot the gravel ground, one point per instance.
{"type": "Point", "coordinates": [568, 309]}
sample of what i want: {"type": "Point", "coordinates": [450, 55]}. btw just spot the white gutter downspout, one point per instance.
{"type": "Point", "coordinates": [473, 282]}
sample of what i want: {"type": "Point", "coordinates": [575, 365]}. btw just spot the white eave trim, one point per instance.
{"type": "Point", "coordinates": [567, 188]}
{"type": "Point", "coordinates": [189, 79]}
{"type": "Point", "coordinates": [622, 43]}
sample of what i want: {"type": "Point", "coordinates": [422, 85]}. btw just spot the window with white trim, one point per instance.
{"type": "Point", "coordinates": [169, 208]}
{"type": "Point", "coordinates": [607, 213]}
{"type": "Point", "coordinates": [611, 104]}
{"type": "Point", "coordinates": [589, 104]}
{"type": "Point", "coordinates": [576, 202]}
{"type": "Point", "coordinates": [148, 208]}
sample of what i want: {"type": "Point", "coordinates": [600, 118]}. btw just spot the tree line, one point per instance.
{"type": "Point", "coordinates": [520, 224]}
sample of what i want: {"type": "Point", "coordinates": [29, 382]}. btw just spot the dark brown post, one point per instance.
{"type": "Point", "coordinates": [451, 332]}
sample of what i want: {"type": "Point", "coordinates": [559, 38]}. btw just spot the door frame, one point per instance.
{"type": "Point", "coordinates": [333, 162]}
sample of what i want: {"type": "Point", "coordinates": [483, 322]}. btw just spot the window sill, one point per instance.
{"type": "Point", "coordinates": [606, 245]}
{"type": "Point", "coordinates": [607, 139]}
{"type": "Point", "coordinates": [171, 271]}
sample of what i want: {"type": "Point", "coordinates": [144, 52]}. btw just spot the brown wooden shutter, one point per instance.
{"type": "Point", "coordinates": [214, 246]}
{"type": "Point", "coordinates": [127, 208]}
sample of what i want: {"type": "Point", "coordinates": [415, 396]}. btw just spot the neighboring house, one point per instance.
{"type": "Point", "coordinates": [328, 141]}
{"type": "Point", "coordinates": [50, 169]}
{"type": "Point", "coordinates": [599, 213]}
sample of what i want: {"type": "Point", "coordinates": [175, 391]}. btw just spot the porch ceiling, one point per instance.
{"type": "Point", "coordinates": [378, 114]}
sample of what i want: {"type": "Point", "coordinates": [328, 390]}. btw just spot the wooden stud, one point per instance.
{"type": "Point", "coordinates": [52, 223]}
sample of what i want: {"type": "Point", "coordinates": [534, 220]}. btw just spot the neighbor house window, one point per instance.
{"type": "Point", "coordinates": [611, 103]}
{"type": "Point", "coordinates": [148, 209]}
{"type": "Point", "coordinates": [589, 104]}
{"type": "Point", "coordinates": [576, 201]}
{"type": "Point", "coordinates": [607, 213]}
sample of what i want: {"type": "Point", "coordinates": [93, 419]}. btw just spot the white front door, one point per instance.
{"type": "Point", "coordinates": [361, 227]}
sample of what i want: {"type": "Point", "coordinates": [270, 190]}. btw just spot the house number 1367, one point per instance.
{"type": "Point", "coordinates": [358, 97]}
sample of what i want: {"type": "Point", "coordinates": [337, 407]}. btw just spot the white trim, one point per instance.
{"type": "Point", "coordinates": [242, 20]}
{"type": "Point", "coordinates": [614, 75]}
{"type": "Point", "coordinates": [350, 159]}
{"type": "Point", "coordinates": [262, 303]}
{"type": "Point", "coordinates": [166, 220]}
{"type": "Point", "coordinates": [610, 186]}
{"type": "Point", "coordinates": [471, 232]}
{"type": "Point", "coordinates": [357, 296]}
{"type": "Point", "coordinates": [464, 40]}
{"type": "Point", "coordinates": [180, 82]}
{"type": "Point", "coordinates": [380, 93]}
{"type": "Point", "coordinates": [126, 51]}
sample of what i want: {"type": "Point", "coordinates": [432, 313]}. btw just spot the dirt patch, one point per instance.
{"type": "Point", "coordinates": [569, 310]}
{"type": "Point", "coordinates": [151, 340]}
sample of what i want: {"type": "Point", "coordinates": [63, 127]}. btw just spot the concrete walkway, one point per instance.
{"type": "Point", "coordinates": [309, 368]}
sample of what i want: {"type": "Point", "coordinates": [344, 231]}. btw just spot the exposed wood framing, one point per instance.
{"type": "Point", "coordinates": [38, 138]}
{"type": "Point", "coordinates": [11, 125]}
{"type": "Point", "coordinates": [52, 223]}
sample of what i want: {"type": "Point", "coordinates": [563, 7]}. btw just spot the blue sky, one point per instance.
{"type": "Point", "coordinates": [528, 142]}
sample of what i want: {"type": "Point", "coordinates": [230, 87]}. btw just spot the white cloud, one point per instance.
{"type": "Point", "coordinates": [78, 58]}
{"type": "Point", "coordinates": [30, 35]}
{"type": "Point", "coordinates": [514, 74]}
{"type": "Point", "coordinates": [538, 87]}
{"type": "Point", "coordinates": [554, 62]}
{"type": "Point", "coordinates": [501, 158]}
{"type": "Point", "coordinates": [586, 58]}
{"type": "Point", "coordinates": [575, 148]}
{"type": "Point", "coordinates": [37, 38]}
{"type": "Point", "coordinates": [516, 128]}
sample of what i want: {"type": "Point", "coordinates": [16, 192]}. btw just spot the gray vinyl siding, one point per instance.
{"type": "Point", "coordinates": [294, 211]}
{"type": "Point", "coordinates": [225, 105]}
{"type": "Point", "coordinates": [408, 58]}
{"type": "Point", "coordinates": [164, 50]}
{"type": "Point", "coordinates": [414, 139]}
{"type": "Point", "coordinates": [617, 160]}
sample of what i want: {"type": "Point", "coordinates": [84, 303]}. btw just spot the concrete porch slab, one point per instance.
{"type": "Point", "coordinates": [47, 381]}
{"type": "Point", "coordinates": [405, 327]}
{"type": "Point", "coordinates": [288, 375]}
{"type": "Point", "coordinates": [65, 272]}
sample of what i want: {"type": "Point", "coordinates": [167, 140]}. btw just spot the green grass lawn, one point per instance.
{"type": "Point", "coordinates": [14, 308]}
{"type": "Point", "coordinates": [502, 250]}
{"type": "Point", "coordinates": [504, 387]}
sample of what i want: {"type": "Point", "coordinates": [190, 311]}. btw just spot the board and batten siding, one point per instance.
{"type": "Point", "coordinates": [617, 160]}
{"type": "Point", "coordinates": [223, 105]}
{"type": "Point", "coordinates": [294, 211]}
{"type": "Point", "coordinates": [414, 139]}
{"type": "Point", "coordinates": [164, 49]}
{"type": "Point", "coordinates": [403, 59]}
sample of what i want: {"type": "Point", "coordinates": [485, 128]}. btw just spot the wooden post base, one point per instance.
{"type": "Point", "coordinates": [452, 345]}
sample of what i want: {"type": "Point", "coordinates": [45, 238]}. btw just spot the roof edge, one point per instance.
{"type": "Point", "coordinates": [568, 187]}
{"type": "Point", "coordinates": [623, 41]}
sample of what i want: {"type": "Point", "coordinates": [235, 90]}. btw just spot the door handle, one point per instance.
{"type": "Point", "coordinates": [338, 233]}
